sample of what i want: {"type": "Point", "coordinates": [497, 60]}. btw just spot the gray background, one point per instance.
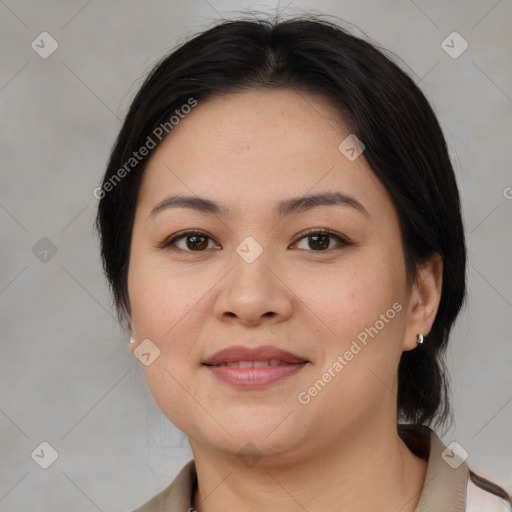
{"type": "Point", "coordinates": [67, 376]}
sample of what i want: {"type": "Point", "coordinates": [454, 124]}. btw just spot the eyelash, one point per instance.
{"type": "Point", "coordinates": [169, 242]}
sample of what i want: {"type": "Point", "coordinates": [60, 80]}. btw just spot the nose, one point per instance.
{"type": "Point", "coordinates": [254, 293]}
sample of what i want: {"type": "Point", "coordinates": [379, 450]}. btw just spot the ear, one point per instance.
{"type": "Point", "coordinates": [424, 300]}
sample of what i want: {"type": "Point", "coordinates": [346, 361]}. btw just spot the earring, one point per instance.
{"type": "Point", "coordinates": [132, 341]}
{"type": "Point", "coordinates": [419, 338]}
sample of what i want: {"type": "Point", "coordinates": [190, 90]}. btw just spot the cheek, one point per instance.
{"type": "Point", "coordinates": [164, 303]}
{"type": "Point", "coordinates": [358, 312]}
{"type": "Point", "coordinates": [359, 317]}
{"type": "Point", "coordinates": [349, 297]}
{"type": "Point", "coordinates": [161, 297]}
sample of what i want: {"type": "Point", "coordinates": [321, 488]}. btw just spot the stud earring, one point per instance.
{"type": "Point", "coordinates": [132, 341]}
{"type": "Point", "coordinates": [419, 338]}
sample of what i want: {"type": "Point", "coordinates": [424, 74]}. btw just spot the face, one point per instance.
{"type": "Point", "coordinates": [322, 279]}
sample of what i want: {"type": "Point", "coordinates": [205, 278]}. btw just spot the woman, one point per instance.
{"type": "Point", "coordinates": [281, 229]}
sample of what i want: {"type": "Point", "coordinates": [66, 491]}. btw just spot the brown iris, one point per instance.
{"type": "Point", "coordinates": [319, 245]}
{"type": "Point", "coordinates": [197, 242]}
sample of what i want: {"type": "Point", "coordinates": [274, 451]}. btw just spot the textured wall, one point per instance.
{"type": "Point", "coordinates": [66, 375]}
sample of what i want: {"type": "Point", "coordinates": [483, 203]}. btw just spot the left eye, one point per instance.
{"type": "Point", "coordinates": [320, 240]}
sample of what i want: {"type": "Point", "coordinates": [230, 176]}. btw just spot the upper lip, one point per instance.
{"type": "Point", "coordinates": [263, 353]}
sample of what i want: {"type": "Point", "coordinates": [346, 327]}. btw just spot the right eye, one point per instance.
{"type": "Point", "coordinates": [194, 241]}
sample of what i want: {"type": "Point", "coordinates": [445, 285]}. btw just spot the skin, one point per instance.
{"type": "Point", "coordinates": [248, 151]}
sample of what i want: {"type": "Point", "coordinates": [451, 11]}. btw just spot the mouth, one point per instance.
{"type": "Point", "coordinates": [253, 364]}
{"type": "Point", "coordinates": [266, 355]}
{"type": "Point", "coordinates": [245, 374]}
{"type": "Point", "coordinates": [254, 367]}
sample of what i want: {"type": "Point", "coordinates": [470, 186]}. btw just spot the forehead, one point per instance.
{"type": "Point", "coordinates": [257, 146]}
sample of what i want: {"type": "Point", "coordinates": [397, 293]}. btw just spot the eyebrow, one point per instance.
{"type": "Point", "coordinates": [282, 209]}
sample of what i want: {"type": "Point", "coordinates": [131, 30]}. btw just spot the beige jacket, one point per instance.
{"type": "Point", "coordinates": [450, 486]}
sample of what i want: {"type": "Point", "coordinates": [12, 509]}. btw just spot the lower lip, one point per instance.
{"type": "Point", "coordinates": [255, 377]}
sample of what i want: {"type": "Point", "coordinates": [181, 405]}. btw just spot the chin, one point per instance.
{"type": "Point", "coordinates": [268, 440]}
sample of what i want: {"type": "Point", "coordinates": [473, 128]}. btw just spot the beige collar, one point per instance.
{"type": "Point", "coordinates": [444, 489]}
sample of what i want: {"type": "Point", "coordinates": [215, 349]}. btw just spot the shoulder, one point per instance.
{"type": "Point", "coordinates": [450, 485]}
{"type": "Point", "coordinates": [484, 495]}
{"type": "Point", "coordinates": [177, 495]}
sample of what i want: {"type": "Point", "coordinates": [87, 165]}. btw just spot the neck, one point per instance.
{"type": "Point", "coordinates": [366, 469]}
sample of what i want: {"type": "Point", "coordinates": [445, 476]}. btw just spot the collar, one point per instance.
{"type": "Point", "coordinates": [444, 489]}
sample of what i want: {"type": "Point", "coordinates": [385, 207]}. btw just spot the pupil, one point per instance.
{"type": "Point", "coordinates": [320, 245]}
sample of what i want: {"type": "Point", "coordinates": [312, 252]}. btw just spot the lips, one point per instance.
{"type": "Point", "coordinates": [260, 367]}
{"type": "Point", "coordinates": [253, 364]}
{"type": "Point", "coordinates": [259, 357]}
